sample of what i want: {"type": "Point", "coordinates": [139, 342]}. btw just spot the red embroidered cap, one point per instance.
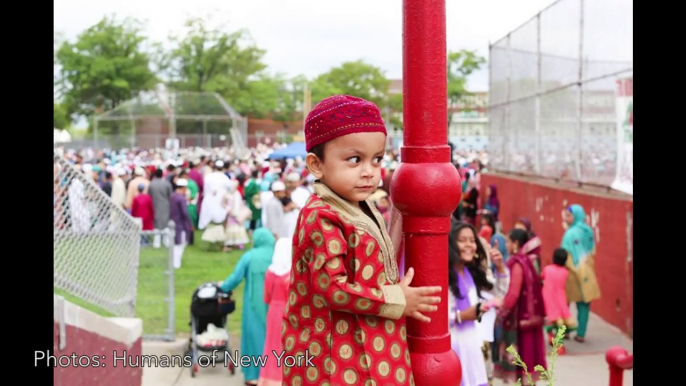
{"type": "Point", "coordinates": [339, 115]}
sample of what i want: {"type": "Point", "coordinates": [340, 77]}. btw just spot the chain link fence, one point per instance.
{"type": "Point", "coordinates": [553, 92]}
{"type": "Point", "coordinates": [155, 301]}
{"type": "Point", "coordinates": [96, 243]}
{"type": "Point", "coordinates": [147, 141]}
{"type": "Point", "coordinates": [104, 259]}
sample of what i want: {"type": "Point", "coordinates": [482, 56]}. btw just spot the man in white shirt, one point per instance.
{"type": "Point", "coordinates": [294, 187]}
{"type": "Point", "coordinates": [216, 185]}
{"type": "Point", "coordinates": [119, 187]}
{"type": "Point", "coordinates": [276, 220]}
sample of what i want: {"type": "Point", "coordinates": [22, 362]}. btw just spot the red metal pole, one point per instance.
{"type": "Point", "coordinates": [619, 360]}
{"type": "Point", "coordinates": [426, 186]}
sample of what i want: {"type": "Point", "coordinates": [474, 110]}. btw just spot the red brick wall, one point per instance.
{"type": "Point", "coordinates": [86, 343]}
{"type": "Point", "coordinates": [151, 132]}
{"type": "Point", "coordinates": [268, 126]}
{"type": "Point", "coordinates": [270, 129]}
{"type": "Point", "coordinates": [610, 216]}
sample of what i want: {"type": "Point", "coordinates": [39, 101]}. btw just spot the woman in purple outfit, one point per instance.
{"type": "Point", "coordinates": [467, 281]}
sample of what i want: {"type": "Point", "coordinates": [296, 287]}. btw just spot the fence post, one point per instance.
{"type": "Point", "coordinates": [95, 131]}
{"type": "Point", "coordinates": [537, 115]}
{"type": "Point", "coordinates": [580, 92]}
{"type": "Point", "coordinates": [133, 132]}
{"type": "Point", "coordinates": [134, 273]}
{"type": "Point", "coordinates": [171, 232]}
{"type": "Point", "coordinates": [618, 360]}
{"type": "Point", "coordinates": [508, 110]}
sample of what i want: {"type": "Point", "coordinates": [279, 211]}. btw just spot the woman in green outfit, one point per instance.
{"type": "Point", "coordinates": [252, 197]}
{"type": "Point", "coordinates": [192, 195]}
{"type": "Point", "coordinates": [251, 268]}
{"type": "Point", "coordinates": [582, 284]}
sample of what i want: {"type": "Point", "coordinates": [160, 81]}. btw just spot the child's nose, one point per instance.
{"type": "Point", "coordinates": [366, 170]}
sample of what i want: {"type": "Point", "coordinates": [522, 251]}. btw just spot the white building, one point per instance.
{"type": "Point", "coordinates": [468, 126]}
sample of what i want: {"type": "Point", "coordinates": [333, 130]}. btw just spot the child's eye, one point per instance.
{"type": "Point", "coordinates": [378, 160]}
{"type": "Point", "coordinates": [355, 160]}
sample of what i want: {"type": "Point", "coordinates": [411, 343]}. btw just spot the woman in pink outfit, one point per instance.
{"type": "Point", "coordinates": [554, 292]}
{"type": "Point", "coordinates": [276, 284]}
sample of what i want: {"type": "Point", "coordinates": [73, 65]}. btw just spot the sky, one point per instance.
{"type": "Point", "coordinates": [310, 37]}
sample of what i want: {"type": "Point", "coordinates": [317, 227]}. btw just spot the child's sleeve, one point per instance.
{"type": "Point", "coordinates": [325, 255]}
{"type": "Point", "coordinates": [510, 300]}
{"type": "Point", "coordinates": [134, 208]}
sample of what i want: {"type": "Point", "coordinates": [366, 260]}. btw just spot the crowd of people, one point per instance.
{"type": "Point", "coordinates": [323, 255]}
{"type": "Point", "coordinates": [499, 270]}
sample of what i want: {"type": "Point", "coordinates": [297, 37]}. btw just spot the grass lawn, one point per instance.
{"type": "Point", "coordinates": [199, 265]}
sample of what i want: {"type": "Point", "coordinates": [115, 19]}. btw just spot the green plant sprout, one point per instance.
{"type": "Point", "coordinates": [545, 374]}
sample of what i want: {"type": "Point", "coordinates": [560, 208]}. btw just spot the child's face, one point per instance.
{"type": "Point", "coordinates": [466, 244]}
{"type": "Point", "coordinates": [382, 203]}
{"type": "Point", "coordinates": [351, 165]}
{"type": "Point", "coordinates": [510, 245]}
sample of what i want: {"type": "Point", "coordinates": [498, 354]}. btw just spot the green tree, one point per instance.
{"type": "Point", "coordinates": [260, 98]}
{"type": "Point", "coordinates": [211, 59]}
{"type": "Point", "coordinates": [291, 99]}
{"type": "Point", "coordinates": [272, 96]}
{"type": "Point", "coordinates": [61, 119]}
{"type": "Point", "coordinates": [356, 78]}
{"type": "Point", "coordinates": [461, 64]}
{"type": "Point", "coordinates": [104, 67]}
{"type": "Point", "coordinates": [395, 110]}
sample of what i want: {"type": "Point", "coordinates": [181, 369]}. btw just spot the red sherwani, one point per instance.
{"type": "Point", "coordinates": [345, 306]}
{"type": "Point", "coordinates": [142, 208]}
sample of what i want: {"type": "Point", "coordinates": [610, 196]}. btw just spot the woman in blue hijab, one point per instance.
{"type": "Point", "coordinates": [500, 240]}
{"type": "Point", "coordinates": [582, 284]}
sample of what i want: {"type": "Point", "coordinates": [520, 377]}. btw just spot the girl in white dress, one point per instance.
{"type": "Point", "coordinates": [467, 279]}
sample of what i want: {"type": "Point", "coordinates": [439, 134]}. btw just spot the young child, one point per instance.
{"type": "Point", "coordinates": [380, 200]}
{"type": "Point", "coordinates": [554, 293]}
{"type": "Point", "coordinates": [141, 207]}
{"type": "Point", "coordinates": [236, 235]}
{"type": "Point", "coordinates": [347, 306]}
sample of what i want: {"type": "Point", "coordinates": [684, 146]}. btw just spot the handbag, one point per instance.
{"type": "Point", "coordinates": [244, 215]}
{"type": "Point", "coordinates": [256, 201]}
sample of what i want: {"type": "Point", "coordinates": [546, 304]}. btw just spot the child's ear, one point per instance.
{"type": "Point", "coordinates": [314, 165]}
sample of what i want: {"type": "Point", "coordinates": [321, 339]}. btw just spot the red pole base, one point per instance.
{"type": "Point", "coordinates": [618, 360]}
{"type": "Point", "coordinates": [436, 368]}
{"type": "Point", "coordinates": [616, 376]}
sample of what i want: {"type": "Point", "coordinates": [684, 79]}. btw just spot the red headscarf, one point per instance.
{"type": "Point", "coordinates": [486, 232]}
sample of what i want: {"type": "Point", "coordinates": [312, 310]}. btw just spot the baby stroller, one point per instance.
{"type": "Point", "coordinates": [209, 306]}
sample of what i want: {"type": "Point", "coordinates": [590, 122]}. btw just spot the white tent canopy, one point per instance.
{"type": "Point", "coordinates": [61, 136]}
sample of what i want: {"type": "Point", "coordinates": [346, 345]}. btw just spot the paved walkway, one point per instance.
{"type": "Point", "coordinates": [584, 363]}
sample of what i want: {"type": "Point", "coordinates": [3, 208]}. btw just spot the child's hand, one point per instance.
{"type": "Point", "coordinates": [496, 256]}
{"type": "Point", "coordinates": [417, 299]}
{"type": "Point", "coordinates": [495, 302]}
